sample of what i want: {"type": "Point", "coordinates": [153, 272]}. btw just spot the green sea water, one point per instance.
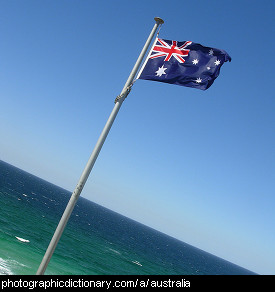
{"type": "Point", "coordinates": [96, 241]}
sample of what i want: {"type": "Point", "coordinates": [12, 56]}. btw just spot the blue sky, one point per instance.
{"type": "Point", "coordinates": [197, 165]}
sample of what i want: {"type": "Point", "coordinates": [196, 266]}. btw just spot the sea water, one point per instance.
{"type": "Point", "coordinates": [96, 240]}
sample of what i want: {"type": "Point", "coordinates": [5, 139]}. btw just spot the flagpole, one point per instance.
{"type": "Point", "coordinates": [86, 172]}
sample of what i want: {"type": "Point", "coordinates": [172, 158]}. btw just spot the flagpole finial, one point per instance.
{"type": "Point", "coordinates": [159, 20]}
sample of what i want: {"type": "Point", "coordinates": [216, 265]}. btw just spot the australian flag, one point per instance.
{"type": "Point", "coordinates": [183, 63]}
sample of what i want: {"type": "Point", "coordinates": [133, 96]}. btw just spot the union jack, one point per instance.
{"type": "Point", "coordinates": [169, 51]}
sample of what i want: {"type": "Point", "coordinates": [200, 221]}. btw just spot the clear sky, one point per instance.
{"type": "Point", "coordinates": [197, 165]}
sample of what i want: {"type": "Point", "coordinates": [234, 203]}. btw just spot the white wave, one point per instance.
{"type": "Point", "coordinates": [115, 251]}
{"type": "Point", "coordinates": [22, 239]}
{"type": "Point", "coordinates": [5, 268]}
{"type": "Point", "coordinates": [137, 263]}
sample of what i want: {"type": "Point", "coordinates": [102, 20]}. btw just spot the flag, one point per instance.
{"type": "Point", "coordinates": [183, 63]}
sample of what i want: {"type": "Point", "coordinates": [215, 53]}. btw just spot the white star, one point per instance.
{"type": "Point", "coordinates": [211, 52]}
{"type": "Point", "coordinates": [198, 80]}
{"type": "Point", "coordinates": [195, 61]}
{"type": "Point", "coordinates": [161, 71]}
{"type": "Point", "coordinates": [217, 62]}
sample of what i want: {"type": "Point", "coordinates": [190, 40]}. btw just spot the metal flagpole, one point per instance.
{"type": "Point", "coordinates": [76, 193]}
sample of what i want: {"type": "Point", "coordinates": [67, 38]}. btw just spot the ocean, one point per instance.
{"type": "Point", "coordinates": [96, 240]}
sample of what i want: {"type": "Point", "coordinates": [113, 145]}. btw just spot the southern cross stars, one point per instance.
{"type": "Point", "coordinates": [211, 52]}
{"type": "Point", "coordinates": [198, 80]}
{"type": "Point", "coordinates": [161, 71]}
{"type": "Point", "coordinates": [196, 61]}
